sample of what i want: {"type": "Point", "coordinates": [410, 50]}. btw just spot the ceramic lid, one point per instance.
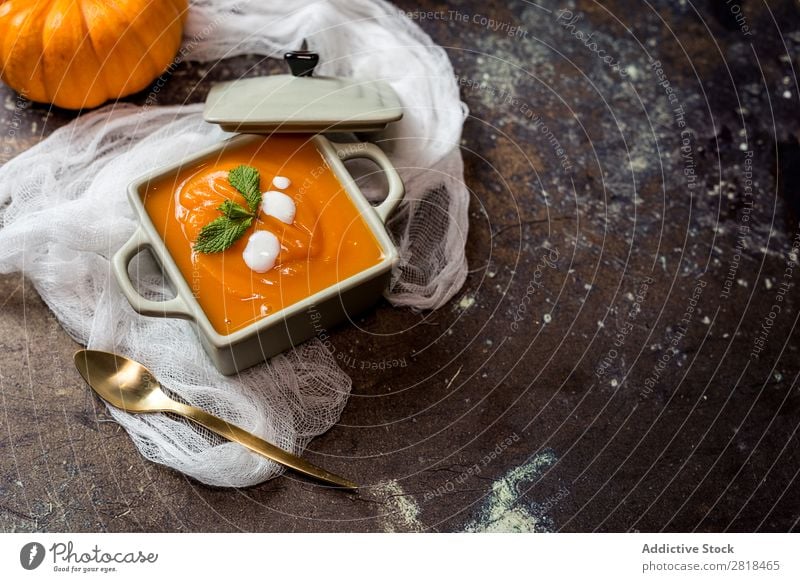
{"type": "Point", "coordinates": [304, 104]}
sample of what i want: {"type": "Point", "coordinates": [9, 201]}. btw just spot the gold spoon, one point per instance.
{"type": "Point", "coordinates": [130, 386]}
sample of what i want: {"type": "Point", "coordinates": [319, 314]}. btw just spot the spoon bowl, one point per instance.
{"type": "Point", "coordinates": [121, 382]}
{"type": "Point", "coordinates": [128, 385]}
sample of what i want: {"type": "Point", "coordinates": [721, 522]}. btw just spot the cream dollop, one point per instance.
{"type": "Point", "coordinates": [279, 205]}
{"type": "Point", "coordinates": [262, 251]}
{"type": "Point", "coordinates": [281, 182]}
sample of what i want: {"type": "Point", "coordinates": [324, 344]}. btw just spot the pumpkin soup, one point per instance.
{"type": "Point", "coordinates": [304, 236]}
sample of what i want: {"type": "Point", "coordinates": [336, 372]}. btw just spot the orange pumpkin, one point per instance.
{"type": "Point", "coordinates": [81, 53]}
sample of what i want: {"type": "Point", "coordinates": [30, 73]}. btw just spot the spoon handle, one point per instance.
{"type": "Point", "coordinates": [260, 446]}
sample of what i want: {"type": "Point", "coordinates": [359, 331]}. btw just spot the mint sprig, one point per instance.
{"type": "Point", "coordinates": [219, 234]}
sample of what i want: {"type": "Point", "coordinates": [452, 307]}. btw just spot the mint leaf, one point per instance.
{"type": "Point", "coordinates": [247, 181]}
{"type": "Point", "coordinates": [221, 233]}
{"type": "Point", "coordinates": [233, 210]}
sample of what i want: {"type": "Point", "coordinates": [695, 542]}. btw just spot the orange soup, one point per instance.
{"type": "Point", "coordinates": [326, 242]}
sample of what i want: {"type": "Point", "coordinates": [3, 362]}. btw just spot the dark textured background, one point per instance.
{"type": "Point", "coordinates": [712, 447]}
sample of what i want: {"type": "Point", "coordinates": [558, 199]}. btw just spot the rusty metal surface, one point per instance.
{"type": "Point", "coordinates": [541, 398]}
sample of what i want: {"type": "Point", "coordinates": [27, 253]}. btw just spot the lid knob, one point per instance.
{"type": "Point", "coordinates": [302, 62]}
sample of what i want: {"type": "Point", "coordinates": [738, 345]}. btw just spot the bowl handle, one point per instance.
{"type": "Point", "coordinates": [349, 151]}
{"type": "Point", "coordinates": [170, 308]}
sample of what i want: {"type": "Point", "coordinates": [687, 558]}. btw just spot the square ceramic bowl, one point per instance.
{"type": "Point", "coordinates": [295, 323]}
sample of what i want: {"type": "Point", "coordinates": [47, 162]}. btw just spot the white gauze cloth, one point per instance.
{"type": "Point", "coordinates": [64, 213]}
